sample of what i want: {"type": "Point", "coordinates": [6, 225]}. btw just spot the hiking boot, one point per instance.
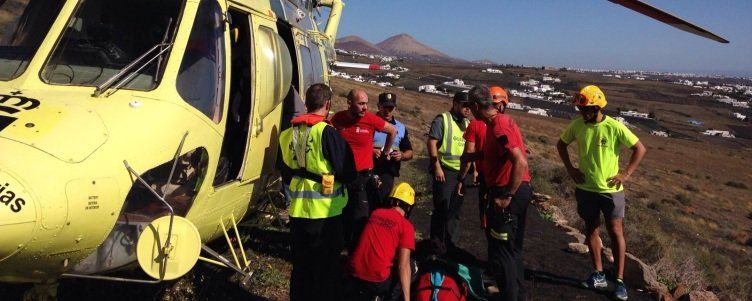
{"type": "Point", "coordinates": [621, 290]}
{"type": "Point", "coordinates": [595, 281]}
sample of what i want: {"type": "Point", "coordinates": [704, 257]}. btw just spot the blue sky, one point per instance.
{"type": "Point", "coordinates": [579, 33]}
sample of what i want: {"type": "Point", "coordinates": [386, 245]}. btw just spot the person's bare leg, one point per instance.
{"type": "Point", "coordinates": [594, 243]}
{"type": "Point", "coordinates": [618, 244]}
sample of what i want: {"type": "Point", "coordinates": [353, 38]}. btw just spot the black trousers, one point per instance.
{"type": "Point", "coordinates": [505, 244]}
{"type": "Point", "coordinates": [447, 208]}
{"type": "Point", "coordinates": [362, 196]}
{"type": "Point", "coordinates": [316, 270]}
{"type": "Point", "coordinates": [387, 183]}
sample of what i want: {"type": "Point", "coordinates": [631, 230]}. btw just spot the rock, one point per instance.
{"type": "Point", "coordinates": [539, 197]}
{"type": "Point", "coordinates": [606, 252]}
{"type": "Point", "coordinates": [664, 295]}
{"type": "Point", "coordinates": [578, 236]}
{"type": "Point", "coordinates": [680, 291]}
{"type": "Point", "coordinates": [639, 275]}
{"type": "Point", "coordinates": [700, 296]}
{"type": "Point", "coordinates": [578, 248]}
{"type": "Point", "coordinates": [558, 216]}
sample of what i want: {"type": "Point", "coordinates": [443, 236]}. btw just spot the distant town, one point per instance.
{"type": "Point", "coordinates": [541, 96]}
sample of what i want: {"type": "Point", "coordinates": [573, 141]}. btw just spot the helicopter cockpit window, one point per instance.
{"type": "Point", "coordinates": [200, 81]}
{"type": "Point", "coordinates": [306, 67]}
{"type": "Point", "coordinates": [23, 26]}
{"type": "Point", "coordinates": [104, 36]}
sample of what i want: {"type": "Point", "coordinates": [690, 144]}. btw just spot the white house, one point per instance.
{"type": "Point", "coordinates": [538, 111]}
{"type": "Point", "coordinates": [634, 114]}
{"type": "Point", "coordinates": [659, 133]}
{"type": "Point", "coordinates": [718, 133]}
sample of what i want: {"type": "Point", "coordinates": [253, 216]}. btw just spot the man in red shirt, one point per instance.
{"type": "Point", "coordinates": [358, 126]}
{"type": "Point", "coordinates": [475, 136]}
{"type": "Point", "coordinates": [387, 234]}
{"type": "Point", "coordinates": [507, 178]}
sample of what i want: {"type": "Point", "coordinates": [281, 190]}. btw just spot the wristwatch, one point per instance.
{"type": "Point", "coordinates": [509, 195]}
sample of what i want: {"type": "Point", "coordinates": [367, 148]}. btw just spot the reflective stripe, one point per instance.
{"type": "Point", "coordinates": [499, 236]}
{"type": "Point", "coordinates": [447, 157]}
{"type": "Point", "coordinates": [448, 135]}
{"type": "Point", "coordinates": [311, 194]}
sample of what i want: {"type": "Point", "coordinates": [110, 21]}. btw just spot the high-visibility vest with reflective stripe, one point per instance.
{"type": "Point", "coordinates": [306, 199]}
{"type": "Point", "coordinates": [452, 144]}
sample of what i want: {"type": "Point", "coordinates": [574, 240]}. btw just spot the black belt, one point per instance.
{"type": "Point", "coordinates": [365, 173]}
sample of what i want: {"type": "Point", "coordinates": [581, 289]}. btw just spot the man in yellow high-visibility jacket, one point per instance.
{"type": "Point", "coordinates": [318, 162]}
{"type": "Point", "coordinates": [445, 146]}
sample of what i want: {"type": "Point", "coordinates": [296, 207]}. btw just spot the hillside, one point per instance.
{"type": "Point", "coordinates": [356, 43]}
{"type": "Point", "coordinates": [404, 45]}
{"type": "Point", "coordinates": [401, 45]}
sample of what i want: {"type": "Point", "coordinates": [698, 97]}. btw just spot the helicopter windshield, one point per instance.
{"type": "Point", "coordinates": [104, 36]}
{"type": "Point", "coordinates": [23, 26]}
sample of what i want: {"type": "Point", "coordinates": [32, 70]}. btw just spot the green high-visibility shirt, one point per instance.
{"type": "Point", "coordinates": [598, 148]}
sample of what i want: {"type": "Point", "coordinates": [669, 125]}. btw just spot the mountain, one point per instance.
{"type": "Point", "coordinates": [405, 45]}
{"type": "Point", "coordinates": [355, 43]}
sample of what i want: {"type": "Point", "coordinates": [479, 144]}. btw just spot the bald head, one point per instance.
{"type": "Point", "coordinates": [357, 100]}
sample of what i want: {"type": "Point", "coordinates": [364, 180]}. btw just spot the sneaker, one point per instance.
{"type": "Point", "coordinates": [595, 281]}
{"type": "Point", "coordinates": [621, 290]}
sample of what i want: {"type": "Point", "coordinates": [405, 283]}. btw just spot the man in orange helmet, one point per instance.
{"type": "Point", "coordinates": [599, 182]}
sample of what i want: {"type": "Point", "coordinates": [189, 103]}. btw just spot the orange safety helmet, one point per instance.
{"type": "Point", "coordinates": [498, 94]}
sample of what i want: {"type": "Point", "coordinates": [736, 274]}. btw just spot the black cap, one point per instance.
{"type": "Point", "coordinates": [461, 97]}
{"type": "Point", "coordinates": [388, 99]}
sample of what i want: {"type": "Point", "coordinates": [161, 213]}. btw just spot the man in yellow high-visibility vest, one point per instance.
{"type": "Point", "coordinates": [319, 163]}
{"type": "Point", "coordinates": [445, 146]}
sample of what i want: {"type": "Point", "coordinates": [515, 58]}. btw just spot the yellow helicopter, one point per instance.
{"type": "Point", "coordinates": [138, 130]}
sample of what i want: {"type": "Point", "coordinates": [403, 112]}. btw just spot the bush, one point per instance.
{"type": "Point", "coordinates": [691, 188]}
{"type": "Point", "coordinates": [657, 206]}
{"type": "Point", "coordinates": [683, 199]}
{"type": "Point", "coordinates": [736, 185]}
{"type": "Point", "coordinates": [543, 139]}
{"type": "Point", "coordinates": [679, 171]}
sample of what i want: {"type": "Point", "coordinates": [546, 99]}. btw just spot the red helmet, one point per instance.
{"type": "Point", "coordinates": [498, 94]}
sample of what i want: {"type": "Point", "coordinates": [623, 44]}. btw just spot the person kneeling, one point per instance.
{"type": "Point", "coordinates": [387, 234]}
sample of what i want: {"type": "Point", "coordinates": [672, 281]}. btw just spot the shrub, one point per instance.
{"type": "Point", "coordinates": [736, 185]}
{"type": "Point", "coordinates": [683, 199]}
{"type": "Point", "coordinates": [679, 171]}
{"type": "Point", "coordinates": [543, 139]}
{"type": "Point", "coordinates": [691, 188]}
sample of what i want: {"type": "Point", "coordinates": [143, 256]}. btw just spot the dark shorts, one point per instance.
{"type": "Point", "coordinates": [591, 204]}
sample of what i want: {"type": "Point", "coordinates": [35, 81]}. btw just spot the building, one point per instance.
{"type": "Point", "coordinates": [659, 133]}
{"type": "Point", "coordinates": [740, 116]}
{"type": "Point", "coordinates": [514, 106]}
{"type": "Point", "coordinates": [538, 111]}
{"type": "Point", "coordinates": [635, 114]}
{"type": "Point", "coordinates": [718, 133]}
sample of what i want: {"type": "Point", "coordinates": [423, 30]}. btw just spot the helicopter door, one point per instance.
{"type": "Point", "coordinates": [240, 101]}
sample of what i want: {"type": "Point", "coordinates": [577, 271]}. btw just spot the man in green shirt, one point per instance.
{"type": "Point", "coordinates": [599, 182]}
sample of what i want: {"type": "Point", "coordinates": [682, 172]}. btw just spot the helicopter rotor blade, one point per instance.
{"type": "Point", "coordinates": [665, 17]}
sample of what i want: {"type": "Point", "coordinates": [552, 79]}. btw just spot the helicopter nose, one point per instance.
{"type": "Point", "coordinates": [18, 216]}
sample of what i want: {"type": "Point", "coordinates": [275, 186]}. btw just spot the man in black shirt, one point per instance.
{"type": "Point", "coordinates": [402, 150]}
